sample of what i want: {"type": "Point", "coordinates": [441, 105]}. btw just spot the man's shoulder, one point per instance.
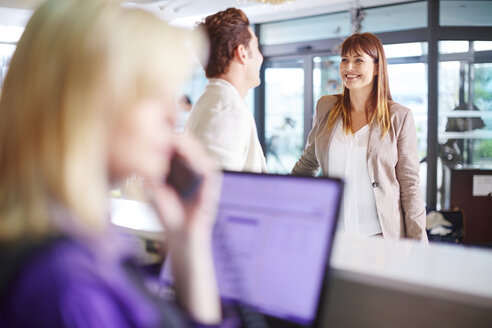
{"type": "Point", "coordinates": [210, 119]}
{"type": "Point", "coordinates": [219, 102]}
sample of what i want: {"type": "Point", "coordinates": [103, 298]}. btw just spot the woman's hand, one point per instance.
{"type": "Point", "coordinates": [181, 217]}
{"type": "Point", "coordinates": [188, 227]}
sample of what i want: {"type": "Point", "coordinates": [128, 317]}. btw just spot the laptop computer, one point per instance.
{"type": "Point", "coordinates": [272, 242]}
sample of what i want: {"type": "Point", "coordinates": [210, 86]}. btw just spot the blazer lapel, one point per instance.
{"type": "Point", "coordinates": [374, 139]}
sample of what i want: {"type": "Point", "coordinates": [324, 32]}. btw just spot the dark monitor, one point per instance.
{"type": "Point", "coordinates": [272, 242]}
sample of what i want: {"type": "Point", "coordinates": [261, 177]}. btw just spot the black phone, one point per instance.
{"type": "Point", "coordinates": [183, 178]}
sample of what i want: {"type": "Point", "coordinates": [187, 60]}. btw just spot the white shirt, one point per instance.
{"type": "Point", "coordinates": [347, 159]}
{"type": "Point", "coordinates": [227, 129]}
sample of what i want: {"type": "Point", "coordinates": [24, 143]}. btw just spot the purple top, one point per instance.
{"type": "Point", "coordinates": [65, 284]}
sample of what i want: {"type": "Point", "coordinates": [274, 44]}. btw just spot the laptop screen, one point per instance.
{"type": "Point", "coordinates": [272, 241]}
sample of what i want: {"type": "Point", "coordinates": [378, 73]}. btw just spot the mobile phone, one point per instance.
{"type": "Point", "coordinates": [183, 178]}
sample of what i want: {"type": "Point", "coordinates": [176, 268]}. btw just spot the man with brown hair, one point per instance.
{"type": "Point", "coordinates": [219, 118]}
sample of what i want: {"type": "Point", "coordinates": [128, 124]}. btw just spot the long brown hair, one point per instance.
{"type": "Point", "coordinates": [377, 107]}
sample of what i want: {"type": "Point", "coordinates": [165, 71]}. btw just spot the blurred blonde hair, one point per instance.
{"type": "Point", "coordinates": [80, 66]}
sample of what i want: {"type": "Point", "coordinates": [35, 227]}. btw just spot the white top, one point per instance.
{"type": "Point", "coordinates": [347, 159]}
{"type": "Point", "coordinates": [227, 129]}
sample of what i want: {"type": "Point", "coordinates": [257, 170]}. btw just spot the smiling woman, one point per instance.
{"type": "Point", "coordinates": [364, 137]}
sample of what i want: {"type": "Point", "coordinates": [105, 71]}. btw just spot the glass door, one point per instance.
{"type": "Point", "coordinates": [284, 113]}
{"type": "Point", "coordinates": [465, 109]}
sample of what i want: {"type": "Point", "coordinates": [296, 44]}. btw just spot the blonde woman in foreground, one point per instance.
{"type": "Point", "coordinates": [88, 101]}
{"type": "Point", "coordinates": [365, 137]}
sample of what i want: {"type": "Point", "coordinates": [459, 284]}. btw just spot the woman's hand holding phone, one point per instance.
{"type": "Point", "coordinates": [187, 205]}
{"type": "Point", "coordinates": [187, 198]}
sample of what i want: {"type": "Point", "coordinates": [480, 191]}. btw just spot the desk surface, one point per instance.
{"type": "Point", "coordinates": [353, 300]}
{"type": "Point", "coordinates": [378, 283]}
{"type": "Point", "coordinates": [463, 269]}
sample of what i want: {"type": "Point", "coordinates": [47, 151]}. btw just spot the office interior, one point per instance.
{"type": "Point", "coordinates": [440, 66]}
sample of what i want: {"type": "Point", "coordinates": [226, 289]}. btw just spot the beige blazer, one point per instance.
{"type": "Point", "coordinates": [392, 163]}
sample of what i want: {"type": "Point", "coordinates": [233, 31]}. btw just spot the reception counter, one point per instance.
{"type": "Point", "coordinates": [380, 283]}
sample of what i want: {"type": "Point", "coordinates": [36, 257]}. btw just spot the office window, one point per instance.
{"type": "Point", "coordinates": [465, 111]}
{"type": "Point", "coordinates": [399, 50]}
{"type": "Point", "coordinates": [482, 95]}
{"type": "Point", "coordinates": [408, 85]}
{"type": "Point", "coordinates": [465, 13]}
{"type": "Point", "coordinates": [482, 45]}
{"type": "Point", "coordinates": [395, 18]}
{"type": "Point", "coordinates": [465, 108]}
{"type": "Point", "coordinates": [326, 77]}
{"type": "Point", "coordinates": [452, 47]}
{"type": "Point", "coordinates": [194, 87]}
{"type": "Point", "coordinates": [6, 52]}
{"type": "Point", "coordinates": [407, 73]}
{"type": "Point", "coordinates": [306, 29]}
{"type": "Point", "coordinates": [9, 35]}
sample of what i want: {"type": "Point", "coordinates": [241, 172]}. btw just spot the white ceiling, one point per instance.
{"type": "Point", "coordinates": [188, 12]}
